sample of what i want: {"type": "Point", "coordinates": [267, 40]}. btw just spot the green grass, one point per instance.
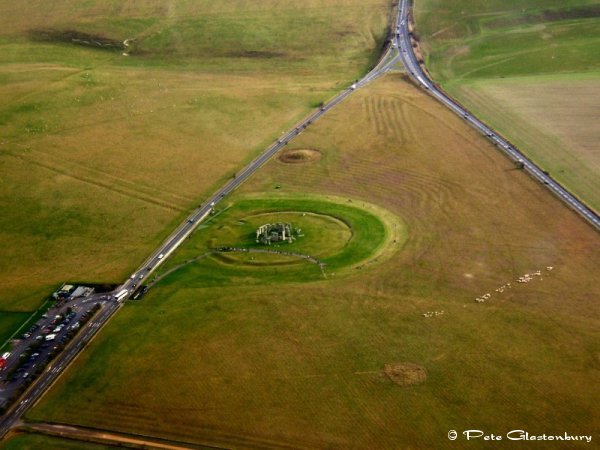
{"type": "Point", "coordinates": [477, 52]}
{"type": "Point", "coordinates": [103, 154]}
{"type": "Point", "coordinates": [36, 442]}
{"type": "Point", "coordinates": [337, 234]}
{"type": "Point", "coordinates": [499, 39]}
{"type": "Point", "coordinates": [258, 363]}
{"type": "Point", "coordinates": [9, 323]}
{"type": "Point", "coordinates": [219, 36]}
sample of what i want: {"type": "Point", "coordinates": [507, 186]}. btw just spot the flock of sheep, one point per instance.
{"type": "Point", "coordinates": [433, 313]}
{"type": "Point", "coordinates": [522, 279]}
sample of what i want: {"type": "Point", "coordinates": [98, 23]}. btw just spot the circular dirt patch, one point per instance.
{"type": "Point", "coordinates": [405, 374]}
{"type": "Point", "coordinates": [300, 156]}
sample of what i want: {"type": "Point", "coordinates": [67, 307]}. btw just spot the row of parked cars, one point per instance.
{"type": "Point", "coordinates": [45, 347]}
{"type": "Point", "coordinates": [32, 357]}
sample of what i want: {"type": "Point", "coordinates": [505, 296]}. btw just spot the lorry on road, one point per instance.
{"type": "Point", "coordinates": [121, 295]}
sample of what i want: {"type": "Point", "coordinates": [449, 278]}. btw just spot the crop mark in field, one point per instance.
{"type": "Point", "coordinates": [75, 167]}
{"type": "Point", "coordinates": [451, 127]}
{"type": "Point", "coordinates": [111, 186]}
{"type": "Point", "coordinates": [388, 117]}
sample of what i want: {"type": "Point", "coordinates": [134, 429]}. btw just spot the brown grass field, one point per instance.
{"type": "Point", "coordinates": [302, 365]}
{"type": "Point", "coordinates": [103, 154]}
{"type": "Point", "coordinates": [553, 117]}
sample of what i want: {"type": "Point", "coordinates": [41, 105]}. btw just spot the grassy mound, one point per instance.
{"type": "Point", "coordinates": [300, 155]}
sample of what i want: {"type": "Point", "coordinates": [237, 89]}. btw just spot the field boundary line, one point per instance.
{"type": "Point", "coordinates": [85, 434]}
{"type": "Point", "coordinates": [123, 190]}
{"type": "Point", "coordinates": [24, 324]}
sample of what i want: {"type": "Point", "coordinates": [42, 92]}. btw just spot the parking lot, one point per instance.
{"type": "Point", "coordinates": [32, 352]}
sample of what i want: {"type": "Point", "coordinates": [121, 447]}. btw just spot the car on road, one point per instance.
{"type": "Point", "coordinates": [161, 256]}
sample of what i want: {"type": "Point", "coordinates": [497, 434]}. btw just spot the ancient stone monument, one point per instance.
{"type": "Point", "coordinates": [275, 232]}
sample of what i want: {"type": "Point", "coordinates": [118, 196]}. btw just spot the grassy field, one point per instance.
{"type": "Point", "coordinates": [551, 116]}
{"type": "Point", "coordinates": [497, 38]}
{"type": "Point", "coordinates": [530, 69]}
{"type": "Point", "coordinates": [36, 442]}
{"type": "Point", "coordinates": [9, 322]}
{"type": "Point", "coordinates": [102, 153]}
{"type": "Point", "coordinates": [302, 364]}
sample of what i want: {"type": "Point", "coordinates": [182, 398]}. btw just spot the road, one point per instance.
{"type": "Point", "coordinates": [399, 50]}
{"type": "Point", "coordinates": [402, 40]}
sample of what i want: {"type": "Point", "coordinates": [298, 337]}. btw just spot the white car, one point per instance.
{"type": "Point", "coordinates": [6, 355]}
{"type": "Point", "coordinates": [161, 256]}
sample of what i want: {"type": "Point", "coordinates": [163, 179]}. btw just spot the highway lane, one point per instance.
{"type": "Point", "coordinates": [409, 60]}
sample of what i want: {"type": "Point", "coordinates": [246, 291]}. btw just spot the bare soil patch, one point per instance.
{"type": "Point", "coordinates": [405, 374]}
{"type": "Point", "coordinates": [300, 156]}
